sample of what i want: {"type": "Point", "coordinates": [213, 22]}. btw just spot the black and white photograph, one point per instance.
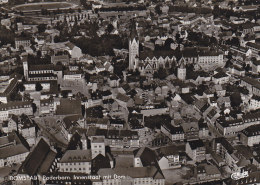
{"type": "Point", "coordinates": [129, 92]}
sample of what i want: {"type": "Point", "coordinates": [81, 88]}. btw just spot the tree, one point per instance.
{"type": "Point", "coordinates": [56, 38]}
{"type": "Point", "coordinates": [167, 43]}
{"type": "Point", "coordinates": [20, 87]}
{"type": "Point", "coordinates": [158, 9]}
{"type": "Point", "coordinates": [177, 36]}
{"type": "Point", "coordinates": [109, 28]}
{"type": "Point", "coordinates": [169, 95]}
{"type": "Point", "coordinates": [41, 28]}
{"type": "Point", "coordinates": [83, 109]}
{"type": "Point", "coordinates": [34, 107]}
{"type": "Point", "coordinates": [235, 99]}
{"type": "Point", "coordinates": [64, 94]}
{"type": "Point", "coordinates": [38, 86]}
{"type": "Point", "coordinates": [39, 54]}
{"type": "Point", "coordinates": [235, 41]}
{"type": "Point", "coordinates": [161, 73]}
{"type": "Point", "coordinates": [15, 96]}
{"type": "Point", "coordinates": [200, 89]}
{"type": "Point", "coordinates": [21, 48]}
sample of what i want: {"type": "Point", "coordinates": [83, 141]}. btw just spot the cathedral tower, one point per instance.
{"type": "Point", "coordinates": [133, 48]}
{"type": "Point", "coordinates": [181, 73]}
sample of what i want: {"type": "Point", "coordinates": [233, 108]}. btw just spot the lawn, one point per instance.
{"type": "Point", "coordinates": [46, 5]}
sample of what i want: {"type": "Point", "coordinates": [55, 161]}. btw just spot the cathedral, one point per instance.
{"type": "Point", "coordinates": [147, 62]}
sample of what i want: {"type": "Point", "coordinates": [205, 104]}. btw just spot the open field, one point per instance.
{"type": "Point", "coordinates": [44, 5]}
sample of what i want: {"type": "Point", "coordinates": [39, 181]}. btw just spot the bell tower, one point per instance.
{"type": "Point", "coordinates": [181, 71]}
{"type": "Point", "coordinates": [133, 48]}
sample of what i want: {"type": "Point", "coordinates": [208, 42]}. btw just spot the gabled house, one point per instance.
{"type": "Point", "coordinates": [42, 159]}
{"type": "Point", "coordinates": [28, 128]}
{"type": "Point", "coordinates": [124, 100]}
{"type": "Point", "coordinates": [113, 81]}
{"type": "Point", "coordinates": [220, 78]}
{"type": "Point", "coordinates": [10, 124]}
{"type": "Point", "coordinates": [170, 157]}
{"type": "Point", "coordinates": [73, 50]}
{"type": "Point", "coordinates": [144, 157]}
{"type": "Point", "coordinates": [191, 130]}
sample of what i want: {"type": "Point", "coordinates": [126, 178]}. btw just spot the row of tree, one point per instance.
{"type": "Point", "coordinates": [100, 46]}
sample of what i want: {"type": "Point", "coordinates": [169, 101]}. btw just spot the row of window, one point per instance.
{"type": "Point", "coordinates": [41, 72]}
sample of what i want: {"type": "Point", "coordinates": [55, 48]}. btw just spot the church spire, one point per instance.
{"type": "Point", "coordinates": [133, 31]}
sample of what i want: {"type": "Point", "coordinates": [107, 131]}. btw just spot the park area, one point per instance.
{"type": "Point", "coordinates": [43, 5]}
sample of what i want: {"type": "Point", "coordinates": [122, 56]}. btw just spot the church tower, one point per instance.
{"type": "Point", "coordinates": [133, 48]}
{"type": "Point", "coordinates": [25, 69]}
{"type": "Point", "coordinates": [181, 73]}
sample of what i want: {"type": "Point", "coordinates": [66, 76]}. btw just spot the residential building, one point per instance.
{"type": "Point", "coordinates": [171, 157]}
{"type": "Point", "coordinates": [144, 157]}
{"type": "Point", "coordinates": [255, 66]}
{"type": "Point", "coordinates": [116, 138]}
{"type": "Point", "coordinates": [11, 124]}
{"type": "Point", "coordinates": [251, 135]}
{"type": "Point", "coordinates": [24, 42]}
{"type": "Point", "coordinates": [13, 149]}
{"type": "Point", "coordinates": [174, 133]}
{"type": "Point", "coordinates": [254, 102]}
{"type": "Point", "coordinates": [97, 146]}
{"type": "Point", "coordinates": [28, 128]}
{"type": "Point", "coordinates": [196, 150]}
{"type": "Point", "coordinates": [16, 108]}
{"type": "Point", "coordinates": [76, 161]}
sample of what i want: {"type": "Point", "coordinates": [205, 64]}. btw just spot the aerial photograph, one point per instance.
{"type": "Point", "coordinates": [129, 92]}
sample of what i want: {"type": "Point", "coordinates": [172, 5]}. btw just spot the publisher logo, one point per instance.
{"type": "Point", "coordinates": [238, 175]}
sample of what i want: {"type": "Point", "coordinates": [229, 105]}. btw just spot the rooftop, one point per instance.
{"type": "Point", "coordinates": [72, 156]}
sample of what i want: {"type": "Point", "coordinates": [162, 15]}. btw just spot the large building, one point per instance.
{"type": "Point", "coordinates": [252, 85]}
{"type": "Point", "coordinates": [42, 72]}
{"type": "Point", "coordinates": [22, 42]}
{"type": "Point", "coordinates": [16, 108]}
{"type": "Point", "coordinates": [13, 149]}
{"type": "Point", "coordinates": [230, 128]}
{"type": "Point", "coordinates": [196, 150]}
{"type": "Point", "coordinates": [251, 135]}
{"type": "Point", "coordinates": [209, 60]}
{"type": "Point", "coordinates": [148, 61]}
{"type": "Point", "coordinates": [76, 161]}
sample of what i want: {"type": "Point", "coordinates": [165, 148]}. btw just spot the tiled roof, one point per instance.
{"type": "Point", "coordinates": [196, 144]}
{"type": "Point", "coordinates": [68, 107]}
{"type": "Point", "coordinates": [253, 130]}
{"type": "Point", "coordinates": [14, 105]}
{"type": "Point", "coordinates": [37, 159]}
{"type": "Point", "coordinates": [72, 156]}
